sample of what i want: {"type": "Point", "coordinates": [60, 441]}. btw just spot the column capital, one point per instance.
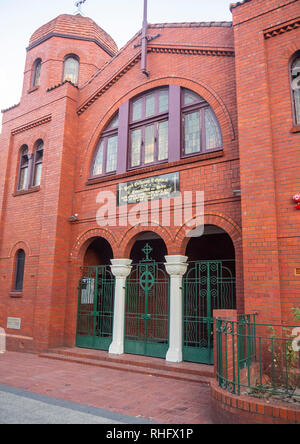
{"type": "Point", "coordinates": [121, 268]}
{"type": "Point", "coordinates": [176, 265]}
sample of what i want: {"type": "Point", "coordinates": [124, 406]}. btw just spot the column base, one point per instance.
{"type": "Point", "coordinates": [116, 349]}
{"type": "Point", "coordinates": [174, 356]}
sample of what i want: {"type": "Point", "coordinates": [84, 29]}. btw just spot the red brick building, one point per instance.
{"type": "Point", "coordinates": [217, 110]}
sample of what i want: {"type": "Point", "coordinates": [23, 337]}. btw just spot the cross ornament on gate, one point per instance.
{"type": "Point", "coordinates": [147, 250]}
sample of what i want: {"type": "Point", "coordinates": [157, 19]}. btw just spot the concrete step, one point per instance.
{"type": "Point", "coordinates": [135, 364]}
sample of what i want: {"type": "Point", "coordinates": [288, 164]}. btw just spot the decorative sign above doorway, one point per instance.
{"type": "Point", "coordinates": [151, 188]}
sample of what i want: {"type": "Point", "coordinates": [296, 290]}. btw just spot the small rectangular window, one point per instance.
{"type": "Point", "coordinates": [192, 133]}
{"type": "Point", "coordinates": [149, 144]}
{"type": "Point", "coordinates": [150, 105]}
{"type": "Point", "coordinates": [163, 140]}
{"type": "Point", "coordinates": [98, 164]}
{"type": "Point", "coordinates": [137, 110]}
{"type": "Point", "coordinates": [111, 160]}
{"type": "Point", "coordinates": [136, 144]}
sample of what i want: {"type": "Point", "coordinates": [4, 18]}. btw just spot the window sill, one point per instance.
{"type": "Point", "coordinates": [157, 167]}
{"type": "Point", "coordinates": [295, 129]}
{"type": "Point", "coordinates": [16, 294]}
{"type": "Point", "coordinates": [31, 90]}
{"type": "Point", "coordinates": [29, 191]}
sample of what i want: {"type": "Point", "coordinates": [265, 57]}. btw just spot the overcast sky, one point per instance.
{"type": "Point", "coordinates": [120, 18]}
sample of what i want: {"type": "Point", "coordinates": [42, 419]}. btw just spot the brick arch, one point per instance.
{"type": "Point", "coordinates": [84, 240]}
{"type": "Point", "coordinates": [235, 233]}
{"type": "Point", "coordinates": [132, 234]}
{"type": "Point", "coordinates": [20, 245]}
{"type": "Point", "coordinates": [201, 88]}
{"type": "Point", "coordinates": [217, 219]}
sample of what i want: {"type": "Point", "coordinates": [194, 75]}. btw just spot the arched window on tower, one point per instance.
{"type": "Point", "coordinates": [295, 81]}
{"type": "Point", "coordinates": [71, 69]}
{"type": "Point", "coordinates": [23, 169]}
{"type": "Point", "coordinates": [36, 80]}
{"type": "Point", "coordinates": [19, 270]}
{"type": "Point", "coordinates": [38, 163]}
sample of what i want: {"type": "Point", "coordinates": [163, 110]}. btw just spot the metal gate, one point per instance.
{"type": "Point", "coordinates": [207, 285]}
{"type": "Point", "coordinates": [95, 308]}
{"type": "Point", "coordinates": [147, 309]}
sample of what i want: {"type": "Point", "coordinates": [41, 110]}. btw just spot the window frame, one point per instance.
{"type": "Point", "coordinates": [21, 167]}
{"type": "Point", "coordinates": [67, 57]}
{"type": "Point", "coordinates": [38, 62]}
{"type": "Point", "coordinates": [144, 122]}
{"type": "Point", "coordinates": [105, 136]}
{"type": "Point", "coordinates": [295, 117]}
{"type": "Point", "coordinates": [19, 271]}
{"type": "Point", "coordinates": [39, 147]}
{"type": "Point", "coordinates": [201, 105]}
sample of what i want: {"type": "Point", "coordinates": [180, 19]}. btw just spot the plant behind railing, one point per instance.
{"type": "Point", "coordinates": [257, 359]}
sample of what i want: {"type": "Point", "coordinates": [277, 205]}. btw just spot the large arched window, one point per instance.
{"type": "Point", "coordinates": [295, 79]}
{"type": "Point", "coordinates": [19, 270]}
{"type": "Point", "coordinates": [38, 163]}
{"type": "Point", "coordinates": [23, 169]}
{"type": "Point", "coordinates": [71, 69]}
{"type": "Point", "coordinates": [37, 68]}
{"type": "Point", "coordinates": [105, 160]}
{"type": "Point", "coordinates": [162, 125]}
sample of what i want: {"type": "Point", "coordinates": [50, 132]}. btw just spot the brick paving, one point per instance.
{"type": "Point", "coordinates": [158, 399]}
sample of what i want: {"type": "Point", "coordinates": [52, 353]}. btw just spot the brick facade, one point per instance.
{"type": "Point", "coordinates": [242, 71]}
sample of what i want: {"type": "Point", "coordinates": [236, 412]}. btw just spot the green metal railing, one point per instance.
{"type": "Point", "coordinates": [257, 359]}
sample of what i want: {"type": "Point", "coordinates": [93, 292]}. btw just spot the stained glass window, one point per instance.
{"type": "Point", "coordinates": [213, 135]}
{"type": "Point", "coordinates": [200, 125]}
{"type": "Point", "coordinates": [106, 156]}
{"type": "Point", "coordinates": [192, 137]}
{"type": "Point", "coordinates": [71, 69]}
{"type": "Point", "coordinates": [149, 128]}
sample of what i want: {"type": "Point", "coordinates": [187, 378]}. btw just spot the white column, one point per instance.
{"type": "Point", "coordinates": [176, 267]}
{"type": "Point", "coordinates": [120, 269]}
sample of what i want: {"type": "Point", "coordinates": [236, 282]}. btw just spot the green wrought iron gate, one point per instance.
{"type": "Point", "coordinates": [95, 308]}
{"type": "Point", "coordinates": [207, 285]}
{"type": "Point", "coordinates": [147, 309]}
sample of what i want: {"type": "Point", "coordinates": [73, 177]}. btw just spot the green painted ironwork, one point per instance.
{"type": "Point", "coordinates": [95, 308]}
{"type": "Point", "coordinates": [207, 286]}
{"type": "Point", "coordinates": [147, 308]}
{"type": "Point", "coordinates": [257, 359]}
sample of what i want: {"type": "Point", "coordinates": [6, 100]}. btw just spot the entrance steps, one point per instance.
{"type": "Point", "coordinates": [184, 371]}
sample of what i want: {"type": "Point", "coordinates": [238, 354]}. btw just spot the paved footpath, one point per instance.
{"type": "Point", "coordinates": [69, 393]}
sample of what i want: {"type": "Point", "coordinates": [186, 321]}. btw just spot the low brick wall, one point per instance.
{"type": "Point", "coordinates": [233, 409]}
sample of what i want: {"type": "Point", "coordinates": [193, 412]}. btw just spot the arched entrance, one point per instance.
{"type": "Point", "coordinates": [208, 284]}
{"type": "Point", "coordinates": [147, 298]}
{"type": "Point", "coordinates": [96, 297]}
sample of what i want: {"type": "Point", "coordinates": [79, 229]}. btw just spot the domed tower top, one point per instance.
{"type": "Point", "coordinates": [74, 26]}
{"type": "Point", "coordinates": [69, 47]}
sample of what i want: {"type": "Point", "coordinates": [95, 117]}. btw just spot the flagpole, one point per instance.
{"type": "Point", "coordinates": [145, 39]}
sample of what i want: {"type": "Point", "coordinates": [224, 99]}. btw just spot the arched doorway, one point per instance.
{"type": "Point", "coordinates": [96, 297]}
{"type": "Point", "coordinates": [208, 284]}
{"type": "Point", "coordinates": [147, 298]}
